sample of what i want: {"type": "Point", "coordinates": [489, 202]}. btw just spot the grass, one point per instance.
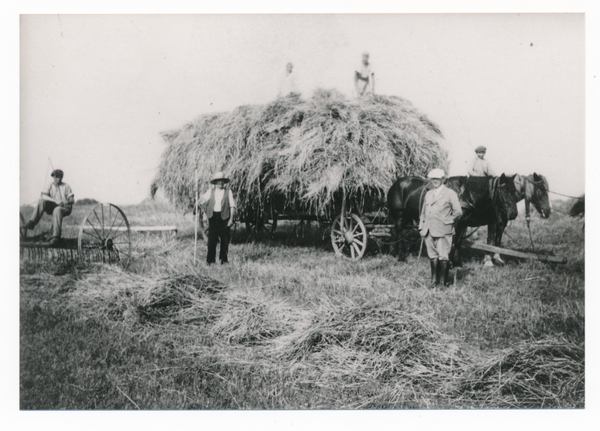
{"type": "Point", "coordinates": [287, 325]}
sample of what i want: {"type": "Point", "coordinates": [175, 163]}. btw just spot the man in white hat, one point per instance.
{"type": "Point", "coordinates": [480, 167]}
{"type": "Point", "coordinates": [440, 209]}
{"type": "Point", "coordinates": [56, 201]}
{"type": "Point", "coordinates": [220, 210]}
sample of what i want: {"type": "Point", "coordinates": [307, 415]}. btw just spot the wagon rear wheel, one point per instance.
{"type": "Point", "coordinates": [349, 240]}
{"type": "Point", "coordinates": [105, 233]}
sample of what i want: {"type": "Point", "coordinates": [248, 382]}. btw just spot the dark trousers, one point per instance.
{"type": "Point", "coordinates": [217, 229]}
{"type": "Point", "coordinates": [52, 209]}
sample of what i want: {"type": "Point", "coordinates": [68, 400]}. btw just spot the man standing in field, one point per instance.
{"type": "Point", "coordinates": [440, 209]}
{"type": "Point", "coordinates": [364, 77]}
{"type": "Point", "coordinates": [220, 210]}
{"type": "Point", "coordinates": [480, 167]}
{"type": "Point", "coordinates": [287, 85]}
{"type": "Point", "coordinates": [56, 201]}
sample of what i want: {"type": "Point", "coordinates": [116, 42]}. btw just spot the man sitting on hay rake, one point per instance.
{"type": "Point", "coordinates": [57, 201]}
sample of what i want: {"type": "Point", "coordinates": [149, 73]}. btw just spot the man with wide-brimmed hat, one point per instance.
{"type": "Point", "coordinates": [440, 209]}
{"type": "Point", "coordinates": [480, 167]}
{"type": "Point", "coordinates": [220, 210]}
{"type": "Point", "coordinates": [56, 201]}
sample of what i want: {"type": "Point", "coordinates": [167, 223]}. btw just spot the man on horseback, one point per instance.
{"type": "Point", "coordinates": [479, 166]}
{"type": "Point", "coordinates": [440, 210]}
{"type": "Point", "coordinates": [56, 201]}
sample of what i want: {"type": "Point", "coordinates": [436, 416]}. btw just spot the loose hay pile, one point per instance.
{"type": "Point", "coordinates": [547, 373]}
{"type": "Point", "coordinates": [307, 151]}
{"type": "Point", "coordinates": [248, 319]}
{"type": "Point", "coordinates": [178, 299]}
{"type": "Point", "coordinates": [375, 342]}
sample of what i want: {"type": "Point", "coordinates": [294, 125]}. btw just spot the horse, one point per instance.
{"type": "Point", "coordinates": [534, 189]}
{"type": "Point", "coordinates": [484, 201]}
{"type": "Point", "coordinates": [578, 208]}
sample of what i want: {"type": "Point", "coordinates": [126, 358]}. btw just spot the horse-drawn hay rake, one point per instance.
{"type": "Point", "coordinates": [104, 236]}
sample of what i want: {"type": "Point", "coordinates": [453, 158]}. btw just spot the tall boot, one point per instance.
{"type": "Point", "coordinates": [444, 270]}
{"type": "Point", "coordinates": [435, 275]}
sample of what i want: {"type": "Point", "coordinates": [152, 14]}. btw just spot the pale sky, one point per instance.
{"type": "Point", "coordinates": [96, 90]}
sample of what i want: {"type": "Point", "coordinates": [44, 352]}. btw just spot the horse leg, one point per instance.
{"type": "Point", "coordinates": [491, 235]}
{"type": "Point", "coordinates": [398, 239]}
{"type": "Point", "coordinates": [455, 249]}
{"type": "Point", "coordinates": [498, 241]}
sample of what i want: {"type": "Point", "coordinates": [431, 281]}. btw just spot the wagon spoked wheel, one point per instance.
{"type": "Point", "coordinates": [105, 232]}
{"type": "Point", "coordinates": [349, 240]}
{"type": "Point", "coordinates": [259, 226]}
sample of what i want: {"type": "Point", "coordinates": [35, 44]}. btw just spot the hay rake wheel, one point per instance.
{"type": "Point", "coordinates": [104, 234]}
{"type": "Point", "coordinates": [350, 237]}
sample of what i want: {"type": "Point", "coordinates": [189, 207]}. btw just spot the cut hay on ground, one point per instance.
{"type": "Point", "coordinates": [375, 343]}
{"type": "Point", "coordinates": [183, 299]}
{"type": "Point", "coordinates": [304, 150]}
{"type": "Point", "coordinates": [548, 373]}
{"type": "Point", "coordinates": [247, 319]}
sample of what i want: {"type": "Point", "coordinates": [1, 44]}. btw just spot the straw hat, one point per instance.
{"type": "Point", "coordinates": [436, 173]}
{"type": "Point", "coordinates": [219, 176]}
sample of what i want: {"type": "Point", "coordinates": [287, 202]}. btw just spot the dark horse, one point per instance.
{"type": "Point", "coordinates": [487, 201]}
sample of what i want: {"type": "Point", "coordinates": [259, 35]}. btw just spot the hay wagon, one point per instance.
{"type": "Point", "coordinates": [104, 235]}
{"type": "Point", "coordinates": [351, 222]}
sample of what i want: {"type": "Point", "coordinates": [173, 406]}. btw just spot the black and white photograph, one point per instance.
{"type": "Point", "coordinates": [303, 212]}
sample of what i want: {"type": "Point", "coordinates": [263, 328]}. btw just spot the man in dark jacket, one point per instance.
{"type": "Point", "coordinates": [220, 210]}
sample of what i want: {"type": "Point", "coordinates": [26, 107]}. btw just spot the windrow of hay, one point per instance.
{"type": "Point", "coordinates": [182, 299]}
{"type": "Point", "coordinates": [250, 319]}
{"type": "Point", "coordinates": [548, 373]}
{"type": "Point", "coordinates": [375, 342]}
{"type": "Point", "coordinates": [307, 151]}
{"type": "Point", "coordinates": [117, 295]}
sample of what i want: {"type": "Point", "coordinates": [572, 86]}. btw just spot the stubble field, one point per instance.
{"type": "Point", "coordinates": [288, 325]}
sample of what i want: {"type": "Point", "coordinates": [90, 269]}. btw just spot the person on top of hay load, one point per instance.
{"type": "Point", "coordinates": [364, 77]}
{"type": "Point", "coordinates": [440, 210]}
{"type": "Point", "coordinates": [479, 166]}
{"type": "Point", "coordinates": [287, 85]}
{"type": "Point", "coordinates": [56, 201]}
{"type": "Point", "coordinates": [220, 210]}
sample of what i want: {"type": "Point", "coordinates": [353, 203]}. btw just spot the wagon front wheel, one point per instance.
{"type": "Point", "coordinates": [349, 240]}
{"type": "Point", "coordinates": [104, 233]}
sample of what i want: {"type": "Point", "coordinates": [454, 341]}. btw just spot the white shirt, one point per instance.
{"type": "Point", "coordinates": [480, 168]}
{"type": "Point", "coordinates": [287, 85]}
{"type": "Point", "coordinates": [365, 72]}
{"type": "Point", "coordinates": [61, 192]}
{"type": "Point", "coordinates": [219, 193]}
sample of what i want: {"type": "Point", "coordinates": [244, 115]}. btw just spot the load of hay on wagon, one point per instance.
{"type": "Point", "coordinates": [306, 150]}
